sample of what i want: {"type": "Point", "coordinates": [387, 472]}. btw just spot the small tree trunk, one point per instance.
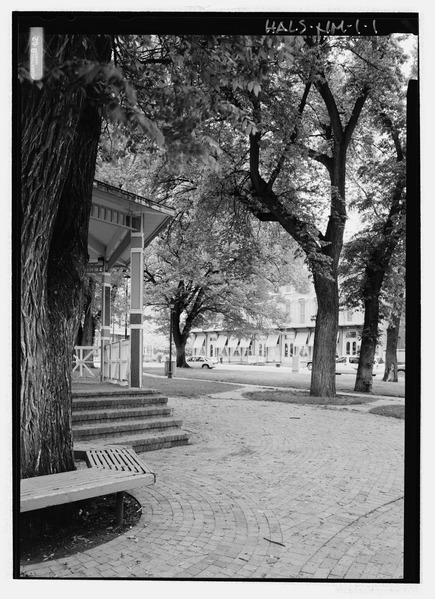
{"type": "Point", "coordinates": [180, 339]}
{"type": "Point", "coordinates": [369, 340]}
{"type": "Point", "coordinates": [325, 345]}
{"type": "Point", "coordinates": [390, 373]}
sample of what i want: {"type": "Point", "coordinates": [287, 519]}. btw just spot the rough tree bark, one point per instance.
{"type": "Point", "coordinates": [369, 340]}
{"type": "Point", "coordinates": [390, 373]}
{"type": "Point", "coordinates": [59, 137]}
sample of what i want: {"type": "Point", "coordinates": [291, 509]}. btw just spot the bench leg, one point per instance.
{"type": "Point", "coordinates": [119, 507]}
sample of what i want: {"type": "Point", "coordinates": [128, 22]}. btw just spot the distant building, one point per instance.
{"type": "Point", "coordinates": [295, 337]}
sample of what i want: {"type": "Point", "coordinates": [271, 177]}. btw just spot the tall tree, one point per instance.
{"type": "Point", "coordinates": [60, 128]}
{"type": "Point", "coordinates": [382, 180]}
{"type": "Point", "coordinates": [299, 105]}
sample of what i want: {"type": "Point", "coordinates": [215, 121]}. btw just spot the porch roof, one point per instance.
{"type": "Point", "coordinates": [115, 214]}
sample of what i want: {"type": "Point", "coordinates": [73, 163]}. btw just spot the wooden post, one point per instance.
{"type": "Point", "coordinates": [105, 316]}
{"type": "Point", "coordinates": [119, 508]}
{"type": "Point", "coordinates": [136, 308]}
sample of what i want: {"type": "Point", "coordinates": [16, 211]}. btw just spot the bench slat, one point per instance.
{"type": "Point", "coordinates": [66, 487]}
{"type": "Point", "coordinates": [116, 458]}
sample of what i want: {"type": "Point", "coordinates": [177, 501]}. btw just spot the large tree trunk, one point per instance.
{"type": "Point", "coordinates": [60, 134]}
{"type": "Point", "coordinates": [181, 356]}
{"type": "Point", "coordinates": [325, 274]}
{"type": "Point", "coordinates": [325, 337]}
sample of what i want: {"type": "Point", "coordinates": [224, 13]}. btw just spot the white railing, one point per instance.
{"type": "Point", "coordinates": [116, 361]}
{"type": "Point", "coordinates": [84, 356]}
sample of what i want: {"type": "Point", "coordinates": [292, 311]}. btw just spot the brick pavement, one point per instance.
{"type": "Point", "coordinates": [263, 491]}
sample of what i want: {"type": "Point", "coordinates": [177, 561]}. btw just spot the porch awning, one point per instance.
{"type": "Point", "coordinates": [115, 215]}
{"type": "Point", "coordinates": [311, 340]}
{"type": "Point", "coordinates": [244, 342]}
{"type": "Point", "coordinates": [272, 340]}
{"type": "Point", "coordinates": [221, 340]}
{"type": "Point", "coordinates": [301, 338]}
{"type": "Point", "coordinates": [199, 340]}
{"type": "Point", "coordinates": [233, 342]}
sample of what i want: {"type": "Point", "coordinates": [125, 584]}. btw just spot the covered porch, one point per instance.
{"type": "Point", "coordinates": [121, 225]}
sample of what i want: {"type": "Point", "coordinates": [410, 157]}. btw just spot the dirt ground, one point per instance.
{"type": "Point", "coordinates": [53, 533]}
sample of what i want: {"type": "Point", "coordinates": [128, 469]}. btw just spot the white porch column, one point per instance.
{"type": "Point", "coordinates": [136, 308]}
{"type": "Point", "coordinates": [105, 316]}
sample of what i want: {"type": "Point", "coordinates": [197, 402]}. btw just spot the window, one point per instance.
{"type": "Point", "coordinates": [286, 350]}
{"type": "Point", "coordinates": [301, 311]}
{"type": "Point", "coordinates": [291, 349]}
{"type": "Point", "coordinates": [348, 348]}
{"type": "Point", "coordinates": [354, 348]}
{"type": "Point", "coordinates": [260, 349]}
{"type": "Point", "coordinates": [291, 315]}
{"type": "Point", "coordinates": [211, 350]}
{"type": "Point", "coordinates": [288, 310]}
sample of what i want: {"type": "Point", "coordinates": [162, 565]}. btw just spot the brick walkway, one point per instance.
{"type": "Point", "coordinates": [263, 490]}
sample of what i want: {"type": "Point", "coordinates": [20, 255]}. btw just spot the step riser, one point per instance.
{"type": "Point", "coordinates": [140, 448]}
{"type": "Point", "coordinates": [172, 439]}
{"type": "Point", "coordinates": [115, 437]}
{"type": "Point", "coordinates": [117, 403]}
{"type": "Point", "coordinates": [117, 393]}
{"type": "Point", "coordinates": [122, 429]}
{"type": "Point", "coordinates": [119, 415]}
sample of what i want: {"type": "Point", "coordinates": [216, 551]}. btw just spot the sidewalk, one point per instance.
{"type": "Point", "coordinates": [263, 491]}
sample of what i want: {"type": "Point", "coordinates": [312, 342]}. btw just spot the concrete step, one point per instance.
{"type": "Point", "coordinates": [118, 392]}
{"type": "Point", "coordinates": [109, 415]}
{"type": "Point", "coordinates": [138, 418]}
{"type": "Point", "coordinates": [114, 402]}
{"type": "Point", "coordinates": [147, 441]}
{"type": "Point", "coordinates": [99, 430]}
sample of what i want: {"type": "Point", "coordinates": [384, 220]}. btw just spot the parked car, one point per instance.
{"type": "Point", "coordinates": [200, 362]}
{"type": "Point", "coordinates": [349, 365]}
{"type": "Point", "coordinates": [400, 371]}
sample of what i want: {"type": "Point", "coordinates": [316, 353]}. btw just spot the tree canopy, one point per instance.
{"type": "Point", "coordinates": [286, 109]}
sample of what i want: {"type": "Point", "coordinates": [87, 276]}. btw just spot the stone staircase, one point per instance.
{"type": "Point", "coordinates": [139, 418]}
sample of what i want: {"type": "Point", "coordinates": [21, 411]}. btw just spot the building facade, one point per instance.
{"type": "Point", "coordinates": [293, 339]}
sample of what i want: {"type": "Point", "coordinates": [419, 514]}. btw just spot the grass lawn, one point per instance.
{"type": "Point", "coordinates": [306, 399]}
{"type": "Point", "coordinates": [185, 387]}
{"type": "Point", "coordinates": [284, 377]}
{"type": "Point", "coordinates": [391, 411]}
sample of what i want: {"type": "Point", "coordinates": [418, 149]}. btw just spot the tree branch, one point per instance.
{"type": "Point", "coordinates": [350, 127]}
{"type": "Point", "coordinates": [292, 139]}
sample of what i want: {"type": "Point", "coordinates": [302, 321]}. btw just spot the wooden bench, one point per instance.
{"type": "Point", "coordinates": [111, 469]}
